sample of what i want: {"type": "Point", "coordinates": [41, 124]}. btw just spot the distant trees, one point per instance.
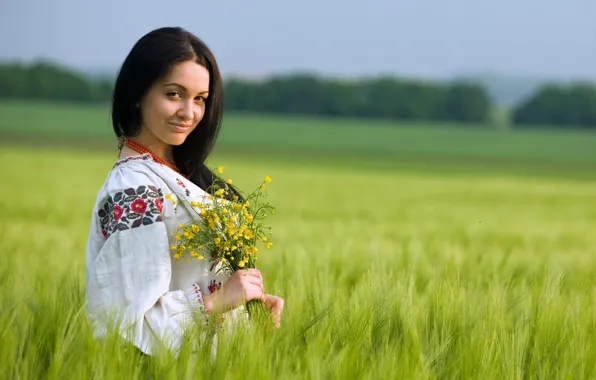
{"type": "Point", "coordinates": [300, 94]}
{"type": "Point", "coordinates": [559, 106]}
{"type": "Point", "coordinates": [306, 94]}
{"type": "Point", "coordinates": [384, 97]}
{"type": "Point", "coordinates": [44, 80]}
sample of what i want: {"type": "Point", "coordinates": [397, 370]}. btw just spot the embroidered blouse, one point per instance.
{"type": "Point", "coordinates": [129, 264]}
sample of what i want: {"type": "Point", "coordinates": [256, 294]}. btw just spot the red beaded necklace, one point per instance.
{"type": "Point", "coordinates": [142, 149]}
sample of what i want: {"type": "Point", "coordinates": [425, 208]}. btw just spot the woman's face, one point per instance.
{"type": "Point", "coordinates": [174, 106]}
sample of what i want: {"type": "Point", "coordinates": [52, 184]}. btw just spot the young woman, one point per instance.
{"type": "Point", "coordinates": [166, 111]}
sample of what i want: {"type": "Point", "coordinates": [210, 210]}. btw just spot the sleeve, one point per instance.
{"type": "Point", "coordinates": [129, 271]}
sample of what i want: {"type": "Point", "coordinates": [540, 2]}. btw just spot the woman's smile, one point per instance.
{"type": "Point", "coordinates": [181, 128]}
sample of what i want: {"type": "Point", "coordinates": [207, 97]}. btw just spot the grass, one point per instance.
{"type": "Point", "coordinates": [386, 273]}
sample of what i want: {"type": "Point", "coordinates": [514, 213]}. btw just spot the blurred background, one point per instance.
{"type": "Point", "coordinates": [466, 82]}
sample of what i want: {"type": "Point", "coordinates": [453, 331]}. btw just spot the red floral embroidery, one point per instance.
{"type": "Point", "coordinates": [213, 286]}
{"type": "Point", "coordinates": [183, 186]}
{"type": "Point", "coordinates": [159, 205]}
{"type": "Point", "coordinates": [139, 206]}
{"type": "Point", "coordinates": [118, 212]}
{"type": "Point", "coordinates": [131, 208]}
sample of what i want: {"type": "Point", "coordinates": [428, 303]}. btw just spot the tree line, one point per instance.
{"type": "Point", "coordinates": [384, 97]}
{"type": "Point", "coordinates": [44, 80]}
{"type": "Point", "coordinates": [305, 94]}
{"type": "Point", "coordinates": [559, 106]}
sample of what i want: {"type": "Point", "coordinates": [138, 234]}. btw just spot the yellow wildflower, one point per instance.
{"type": "Point", "coordinates": [195, 228]}
{"type": "Point", "coordinates": [229, 182]}
{"type": "Point", "coordinates": [267, 179]}
{"type": "Point", "coordinates": [194, 204]}
{"type": "Point", "coordinates": [216, 241]}
{"type": "Point", "coordinates": [269, 245]}
{"type": "Point", "coordinates": [221, 169]}
{"type": "Point", "coordinates": [264, 238]}
{"type": "Point", "coordinates": [263, 187]}
{"type": "Point", "coordinates": [219, 192]}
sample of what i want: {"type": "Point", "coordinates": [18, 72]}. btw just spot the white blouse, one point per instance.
{"type": "Point", "coordinates": [130, 269]}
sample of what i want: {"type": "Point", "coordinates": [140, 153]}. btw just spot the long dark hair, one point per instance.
{"type": "Point", "coordinates": [151, 58]}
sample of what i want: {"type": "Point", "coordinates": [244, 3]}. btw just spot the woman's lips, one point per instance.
{"type": "Point", "coordinates": [180, 128]}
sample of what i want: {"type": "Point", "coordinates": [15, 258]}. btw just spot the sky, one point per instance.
{"type": "Point", "coordinates": [424, 38]}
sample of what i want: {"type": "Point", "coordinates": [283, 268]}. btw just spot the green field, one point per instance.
{"type": "Point", "coordinates": [355, 142]}
{"type": "Point", "coordinates": [440, 257]}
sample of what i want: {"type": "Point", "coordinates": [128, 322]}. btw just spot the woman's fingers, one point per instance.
{"type": "Point", "coordinates": [275, 306]}
{"type": "Point", "coordinates": [256, 281]}
{"type": "Point", "coordinates": [254, 292]}
{"type": "Point", "coordinates": [254, 272]}
{"type": "Point", "coordinates": [276, 319]}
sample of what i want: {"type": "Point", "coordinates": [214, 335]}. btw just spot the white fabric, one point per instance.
{"type": "Point", "coordinates": [130, 268]}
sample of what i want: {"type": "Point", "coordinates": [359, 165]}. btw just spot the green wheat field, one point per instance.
{"type": "Point", "coordinates": [401, 251]}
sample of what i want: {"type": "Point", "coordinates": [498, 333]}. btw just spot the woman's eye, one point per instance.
{"type": "Point", "coordinates": [173, 94]}
{"type": "Point", "coordinates": [200, 99]}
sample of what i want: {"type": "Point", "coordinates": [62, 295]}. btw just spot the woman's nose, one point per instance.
{"type": "Point", "coordinates": [186, 112]}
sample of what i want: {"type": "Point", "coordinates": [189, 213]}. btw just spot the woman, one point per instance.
{"type": "Point", "coordinates": [166, 111]}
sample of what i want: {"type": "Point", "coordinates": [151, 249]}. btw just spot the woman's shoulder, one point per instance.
{"type": "Point", "coordinates": [131, 188]}
{"type": "Point", "coordinates": [133, 171]}
{"type": "Point", "coordinates": [132, 175]}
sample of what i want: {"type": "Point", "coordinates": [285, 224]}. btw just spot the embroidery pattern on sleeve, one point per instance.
{"type": "Point", "coordinates": [131, 208]}
{"type": "Point", "coordinates": [213, 286]}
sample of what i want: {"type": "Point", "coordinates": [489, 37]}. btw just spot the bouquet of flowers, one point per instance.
{"type": "Point", "coordinates": [230, 227]}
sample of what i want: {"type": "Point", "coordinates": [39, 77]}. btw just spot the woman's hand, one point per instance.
{"type": "Point", "coordinates": [276, 306]}
{"type": "Point", "coordinates": [241, 287]}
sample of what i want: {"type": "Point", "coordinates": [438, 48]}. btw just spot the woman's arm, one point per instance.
{"type": "Point", "coordinates": [129, 269]}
